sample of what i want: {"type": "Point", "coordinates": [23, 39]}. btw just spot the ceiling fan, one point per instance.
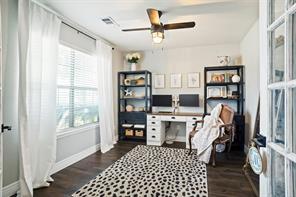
{"type": "Point", "coordinates": [157, 28]}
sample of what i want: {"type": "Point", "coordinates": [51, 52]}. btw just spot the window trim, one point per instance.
{"type": "Point", "coordinates": [61, 133]}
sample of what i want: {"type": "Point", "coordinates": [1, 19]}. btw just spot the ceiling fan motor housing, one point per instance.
{"type": "Point", "coordinates": [157, 28]}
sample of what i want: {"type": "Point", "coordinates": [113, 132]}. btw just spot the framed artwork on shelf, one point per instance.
{"type": "Point", "coordinates": [176, 80]}
{"type": "Point", "coordinates": [193, 80]}
{"type": "Point", "coordinates": [217, 78]}
{"type": "Point", "coordinates": [159, 81]}
{"type": "Point", "coordinates": [217, 92]}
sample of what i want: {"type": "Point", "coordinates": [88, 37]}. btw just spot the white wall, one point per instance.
{"type": "Point", "coordinates": [117, 62]}
{"type": "Point", "coordinates": [249, 48]}
{"type": "Point", "coordinates": [186, 60]}
{"type": "Point", "coordinates": [77, 142]}
{"type": "Point", "coordinates": [194, 59]}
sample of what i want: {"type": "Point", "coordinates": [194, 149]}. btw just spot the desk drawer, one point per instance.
{"type": "Point", "coordinates": [193, 118]}
{"type": "Point", "coordinates": [152, 136]}
{"type": "Point", "coordinates": [174, 118]}
{"type": "Point", "coordinates": [152, 129]}
{"type": "Point", "coordinates": [153, 123]}
{"type": "Point", "coordinates": [153, 117]}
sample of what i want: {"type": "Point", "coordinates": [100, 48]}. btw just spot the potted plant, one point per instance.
{"type": "Point", "coordinates": [133, 59]}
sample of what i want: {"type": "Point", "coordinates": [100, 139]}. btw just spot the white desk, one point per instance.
{"type": "Point", "coordinates": [156, 125]}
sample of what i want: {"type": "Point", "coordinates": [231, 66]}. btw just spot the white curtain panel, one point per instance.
{"type": "Point", "coordinates": [105, 96]}
{"type": "Point", "coordinates": [38, 51]}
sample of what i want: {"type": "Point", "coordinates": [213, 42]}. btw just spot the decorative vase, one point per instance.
{"type": "Point", "coordinates": [133, 67]}
{"type": "Point", "coordinates": [235, 78]}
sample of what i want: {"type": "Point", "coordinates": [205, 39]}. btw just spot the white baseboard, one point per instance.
{"type": "Point", "coordinates": [74, 158]}
{"type": "Point", "coordinates": [10, 189]}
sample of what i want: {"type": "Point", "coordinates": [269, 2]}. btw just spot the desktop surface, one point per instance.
{"type": "Point", "coordinates": [176, 113]}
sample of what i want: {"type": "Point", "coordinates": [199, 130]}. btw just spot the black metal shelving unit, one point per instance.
{"type": "Point", "coordinates": [239, 117]}
{"type": "Point", "coordinates": [134, 117]}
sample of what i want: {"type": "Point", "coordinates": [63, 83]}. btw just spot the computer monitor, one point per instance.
{"type": "Point", "coordinates": [162, 100]}
{"type": "Point", "coordinates": [189, 100]}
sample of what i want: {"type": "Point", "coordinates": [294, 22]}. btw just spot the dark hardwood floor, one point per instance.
{"type": "Point", "coordinates": [225, 180]}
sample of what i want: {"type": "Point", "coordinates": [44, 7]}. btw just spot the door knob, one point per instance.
{"type": "Point", "coordinates": [3, 128]}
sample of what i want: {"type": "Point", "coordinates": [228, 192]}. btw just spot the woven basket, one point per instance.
{"type": "Point", "coordinates": [129, 132]}
{"type": "Point", "coordinates": [139, 133]}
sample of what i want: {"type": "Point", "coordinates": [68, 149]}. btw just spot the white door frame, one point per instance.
{"type": "Point", "coordinates": [1, 108]}
{"type": "Point", "coordinates": [266, 87]}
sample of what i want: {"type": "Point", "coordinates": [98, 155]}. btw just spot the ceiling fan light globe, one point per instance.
{"type": "Point", "coordinates": [157, 37]}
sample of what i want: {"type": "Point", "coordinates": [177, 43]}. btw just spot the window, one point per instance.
{"type": "Point", "coordinates": [77, 87]}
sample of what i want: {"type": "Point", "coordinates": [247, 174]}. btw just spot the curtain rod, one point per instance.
{"type": "Point", "coordinates": [78, 30]}
{"type": "Point", "coordinates": [81, 32]}
{"type": "Point", "coordinates": [73, 25]}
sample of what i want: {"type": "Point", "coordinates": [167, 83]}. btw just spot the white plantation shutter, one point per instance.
{"type": "Point", "coordinates": [77, 102]}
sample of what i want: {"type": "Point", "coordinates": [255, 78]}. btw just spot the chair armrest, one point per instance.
{"type": "Point", "coordinates": [196, 122]}
{"type": "Point", "coordinates": [226, 126]}
{"type": "Point", "coordinates": [199, 121]}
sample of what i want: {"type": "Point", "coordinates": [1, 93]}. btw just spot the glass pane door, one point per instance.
{"type": "Point", "coordinates": [281, 145]}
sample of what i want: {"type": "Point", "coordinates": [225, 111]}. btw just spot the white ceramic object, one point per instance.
{"type": "Point", "coordinates": [127, 82]}
{"type": "Point", "coordinates": [133, 67]}
{"type": "Point", "coordinates": [235, 78]}
{"type": "Point", "coordinates": [129, 108]}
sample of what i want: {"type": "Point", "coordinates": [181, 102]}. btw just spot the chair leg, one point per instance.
{"type": "Point", "coordinates": [190, 144]}
{"type": "Point", "coordinates": [214, 155]}
{"type": "Point", "coordinates": [229, 146]}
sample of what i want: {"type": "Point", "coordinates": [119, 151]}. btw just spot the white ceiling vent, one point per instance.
{"type": "Point", "coordinates": [109, 21]}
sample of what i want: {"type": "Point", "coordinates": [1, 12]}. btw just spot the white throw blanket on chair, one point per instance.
{"type": "Point", "coordinates": [204, 138]}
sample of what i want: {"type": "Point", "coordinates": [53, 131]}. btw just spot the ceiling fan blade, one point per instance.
{"type": "Point", "coordinates": [137, 29]}
{"type": "Point", "coordinates": [154, 16]}
{"type": "Point", "coordinates": [179, 25]}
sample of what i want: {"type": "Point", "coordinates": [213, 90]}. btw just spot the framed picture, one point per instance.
{"type": "Point", "coordinates": [159, 81]}
{"type": "Point", "coordinates": [193, 80]}
{"type": "Point", "coordinates": [217, 92]}
{"type": "Point", "coordinates": [217, 78]}
{"type": "Point", "coordinates": [176, 80]}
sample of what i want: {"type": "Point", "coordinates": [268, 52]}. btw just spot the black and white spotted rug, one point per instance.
{"type": "Point", "coordinates": [150, 171]}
